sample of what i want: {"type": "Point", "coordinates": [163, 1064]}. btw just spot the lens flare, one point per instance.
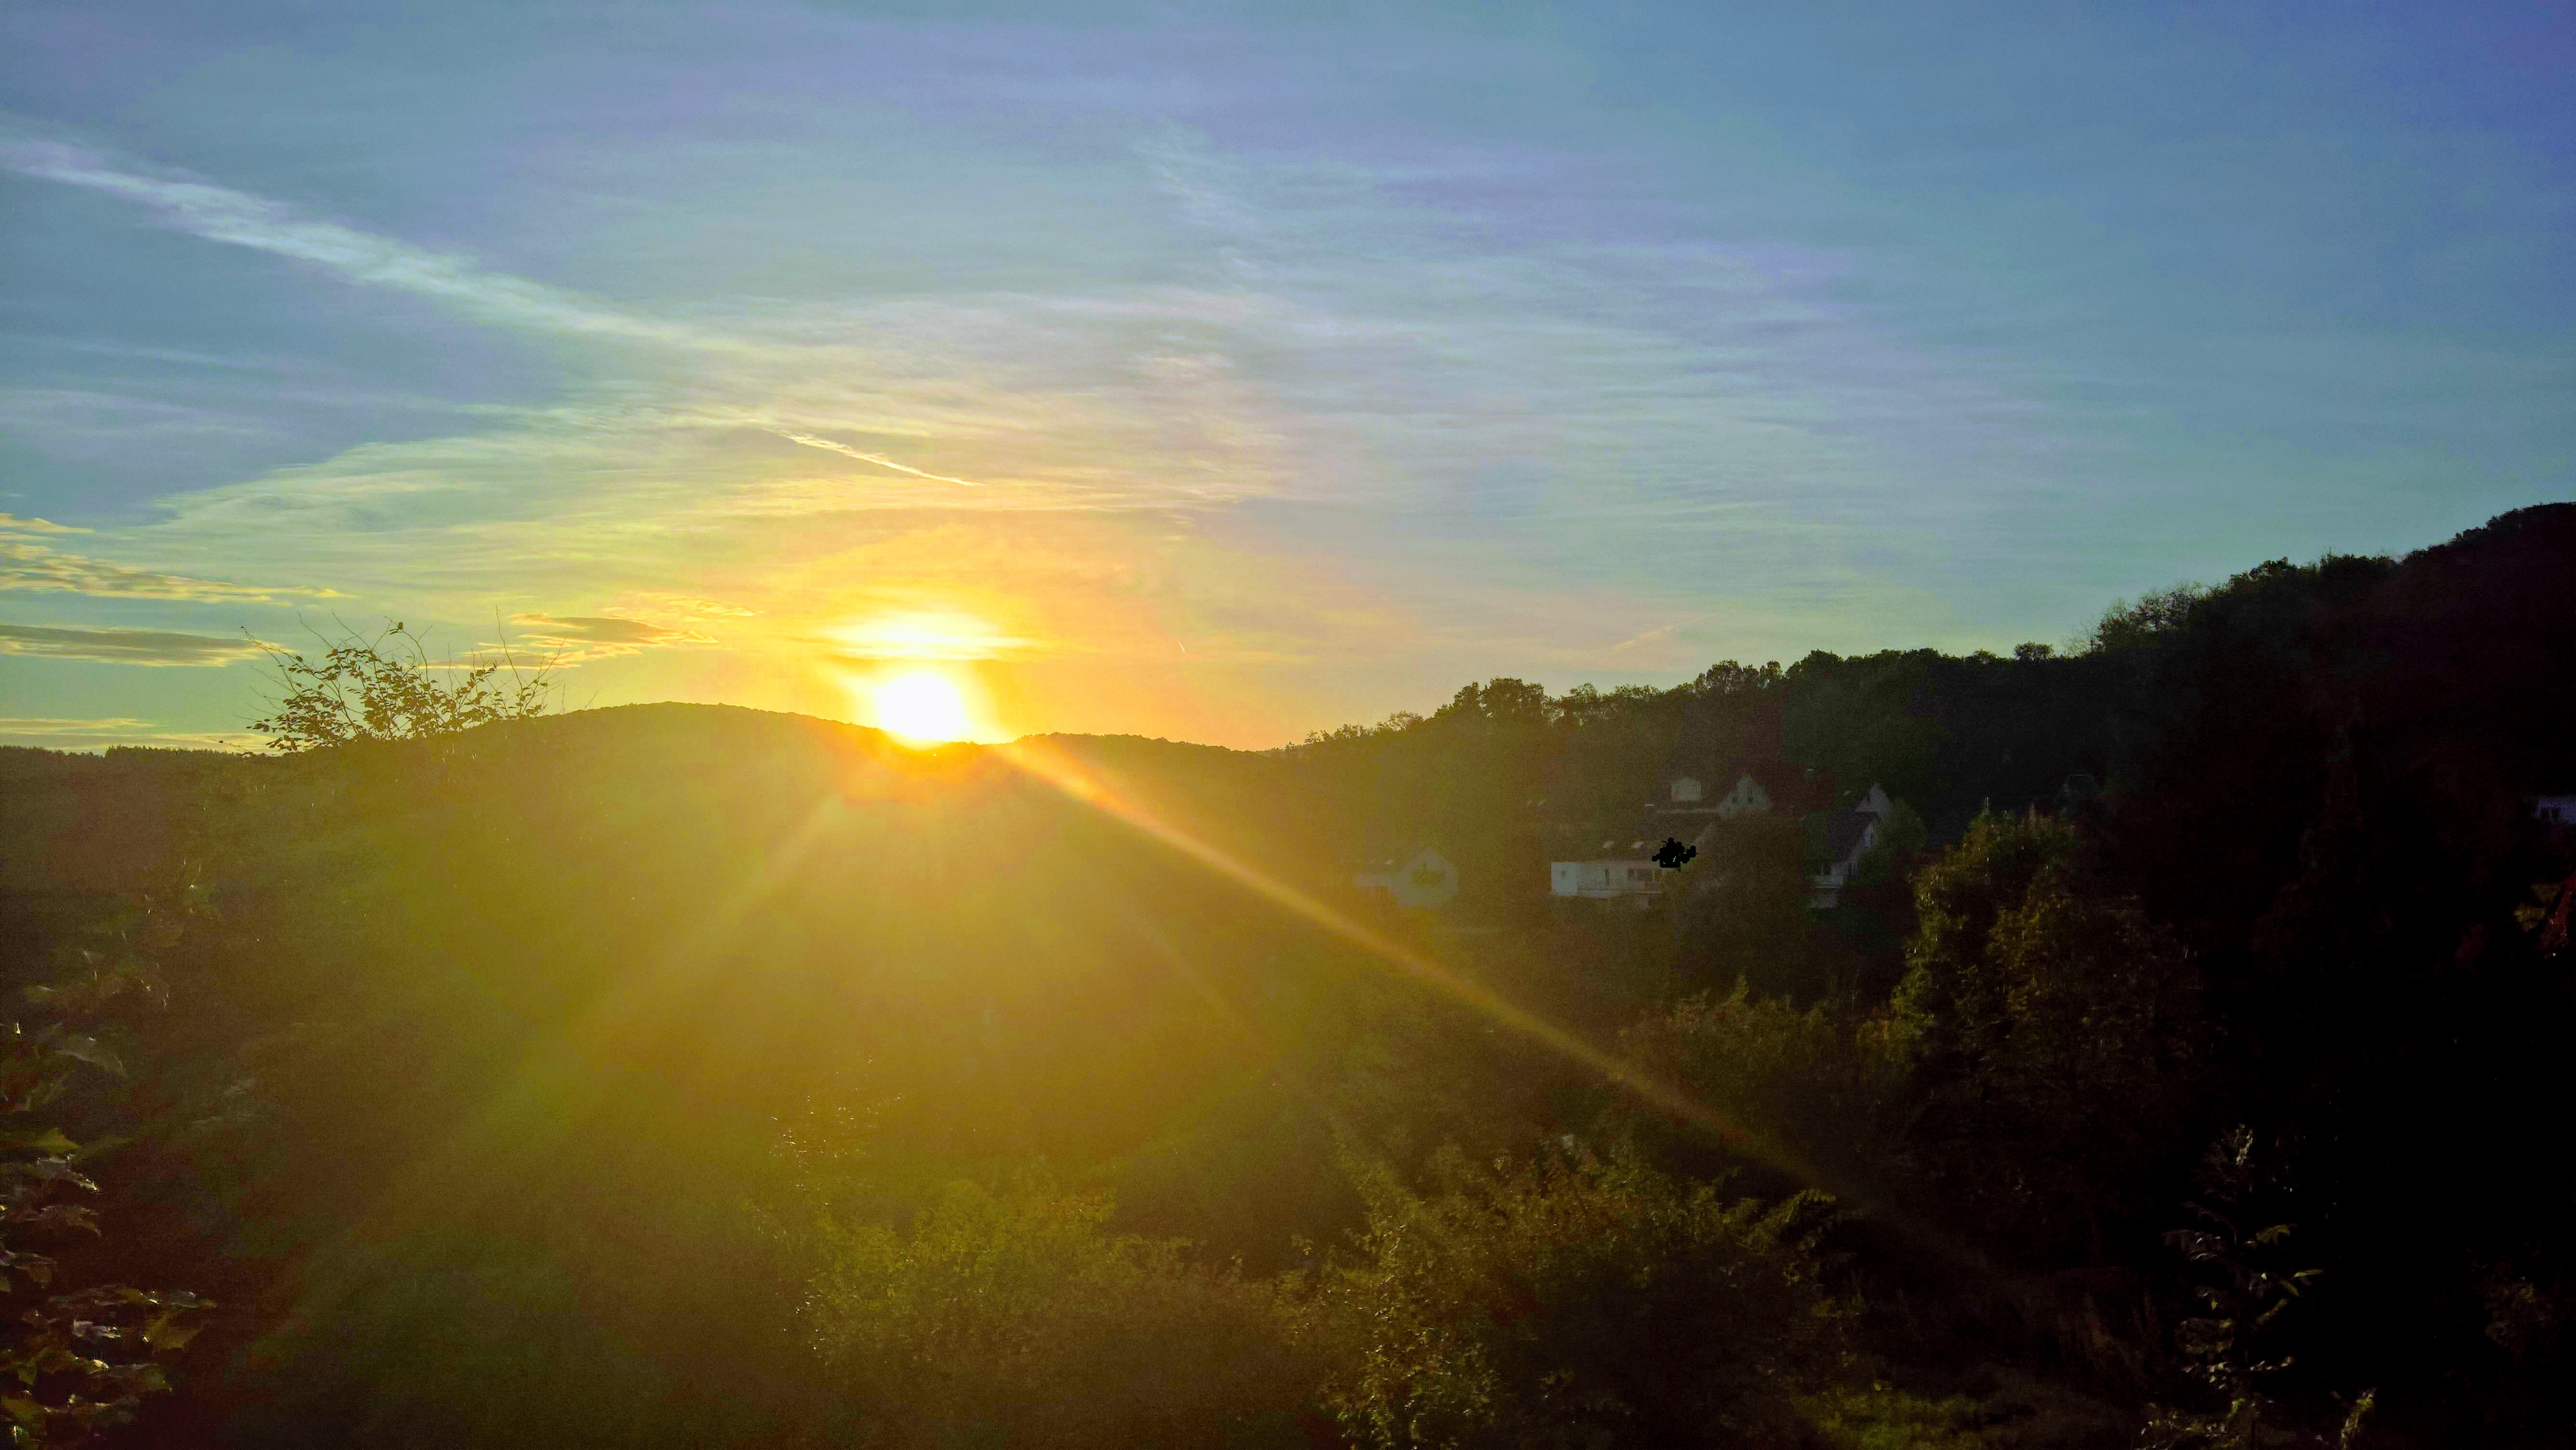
{"type": "Point", "coordinates": [921, 707]}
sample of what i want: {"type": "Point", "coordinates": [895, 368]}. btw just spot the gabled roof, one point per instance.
{"type": "Point", "coordinates": [1843, 833]}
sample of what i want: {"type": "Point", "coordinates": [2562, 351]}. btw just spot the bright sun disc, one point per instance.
{"type": "Point", "coordinates": [921, 706]}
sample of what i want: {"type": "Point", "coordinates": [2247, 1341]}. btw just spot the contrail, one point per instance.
{"type": "Point", "coordinates": [1662, 631]}
{"type": "Point", "coordinates": [238, 218]}
{"type": "Point", "coordinates": [844, 449]}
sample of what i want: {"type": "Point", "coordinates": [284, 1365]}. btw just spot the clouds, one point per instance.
{"type": "Point", "coordinates": [221, 214]}
{"type": "Point", "coordinates": [1385, 341]}
{"type": "Point", "coordinates": [12, 524]}
{"type": "Point", "coordinates": [125, 646]}
{"type": "Point", "coordinates": [574, 639]}
{"type": "Point", "coordinates": [26, 564]}
{"type": "Point", "coordinates": [925, 634]}
{"type": "Point", "coordinates": [1057, 469]}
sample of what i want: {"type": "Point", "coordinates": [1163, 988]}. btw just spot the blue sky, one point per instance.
{"type": "Point", "coordinates": [1222, 373]}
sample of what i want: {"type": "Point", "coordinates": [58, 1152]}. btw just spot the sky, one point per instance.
{"type": "Point", "coordinates": [1228, 372]}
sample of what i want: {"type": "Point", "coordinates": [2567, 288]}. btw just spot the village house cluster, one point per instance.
{"type": "Point", "coordinates": [1635, 864]}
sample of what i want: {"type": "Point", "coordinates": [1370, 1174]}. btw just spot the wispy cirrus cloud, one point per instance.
{"type": "Point", "coordinates": [238, 218]}
{"type": "Point", "coordinates": [572, 639]}
{"type": "Point", "coordinates": [26, 564]}
{"type": "Point", "coordinates": [691, 606]}
{"type": "Point", "coordinates": [125, 646]}
{"type": "Point", "coordinates": [12, 524]}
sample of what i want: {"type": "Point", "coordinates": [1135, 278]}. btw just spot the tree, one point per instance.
{"type": "Point", "coordinates": [1744, 909]}
{"type": "Point", "coordinates": [2236, 1343]}
{"type": "Point", "coordinates": [387, 688]}
{"type": "Point", "coordinates": [1807, 1091]}
{"type": "Point", "coordinates": [2053, 1024]}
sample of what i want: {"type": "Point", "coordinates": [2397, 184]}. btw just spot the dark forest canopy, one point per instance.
{"type": "Point", "coordinates": [690, 1075]}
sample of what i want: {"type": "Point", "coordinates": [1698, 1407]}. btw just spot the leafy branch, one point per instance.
{"type": "Point", "coordinates": [386, 687]}
{"type": "Point", "coordinates": [2224, 1346]}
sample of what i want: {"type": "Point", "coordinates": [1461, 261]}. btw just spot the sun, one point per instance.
{"type": "Point", "coordinates": [922, 707]}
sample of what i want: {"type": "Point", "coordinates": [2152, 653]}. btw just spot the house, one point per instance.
{"type": "Point", "coordinates": [1618, 869]}
{"type": "Point", "coordinates": [1755, 785]}
{"type": "Point", "coordinates": [1424, 881]}
{"type": "Point", "coordinates": [1607, 878]}
{"type": "Point", "coordinates": [1622, 867]}
{"type": "Point", "coordinates": [1848, 836]}
{"type": "Point", "coordinates": [1746, 797]}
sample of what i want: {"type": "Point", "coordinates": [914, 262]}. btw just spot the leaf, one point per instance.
{"type": "Point", "coordinates": [48, 1141]}
{"type": "Point", "coordinates": [167, 1332]}
{"type": "Point", "coordinates": [92, 1051]}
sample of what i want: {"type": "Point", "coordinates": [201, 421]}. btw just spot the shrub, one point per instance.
{"type": "Point", "coordinates": [1007, 1316]}
{"type": "Point", "coordinates": [388, 688]}
{"type": "Point", "coordinates": [1814, 1088]}
{"type": "Point", "coordinates": [1568, 1301]}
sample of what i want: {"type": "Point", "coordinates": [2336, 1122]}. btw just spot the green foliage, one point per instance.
{"type": "Point", "coordinates": [1572, 1302]}
{"type": "Point", "coordinates": [1743, 909]}
{"type": "Point", "coordinates": [387, 688]}
{"type": "Point", "coordinates": [2018, 1413]}
{"type": "Point", "coordinates": [75, 1360]}
{"type": "Point", "coordinates": [447, 1338]}
{"type": "Point", "coordinates": [1502, 703]}
{"type": "Point", "coordinates": [2053, 1026]}
{"type": "Point", "coordinates": [2127, 625]}
{"type": "Point", "coordinates": [1815, 1088]}
{"type": "Point", "coordinates": [2238, 1341]}
{"type": "Point", "coordinates": [1010, 1316]}
{"type": "Point", "coordinates": [1866, 720]}
{"type": "Point", "coordinates": [1728, 679]}
{"type": "Point", "coordinates": [1902, 837]}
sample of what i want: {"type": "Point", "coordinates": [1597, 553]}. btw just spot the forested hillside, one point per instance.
{"type": "Point", "coordinates": [686, 1075]}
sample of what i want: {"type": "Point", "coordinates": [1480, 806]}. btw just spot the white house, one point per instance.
{"type": "Point", "coordinates": [1608, 877]}
{"type": "Point", "coordinates": [1849, 835]}
{"type": "Point", "coordinates": [1747, 796]}
{"type": "Point", "coordinates": [1425, 880]}
{"type": "Point", "coordinates": [1626, 869]}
